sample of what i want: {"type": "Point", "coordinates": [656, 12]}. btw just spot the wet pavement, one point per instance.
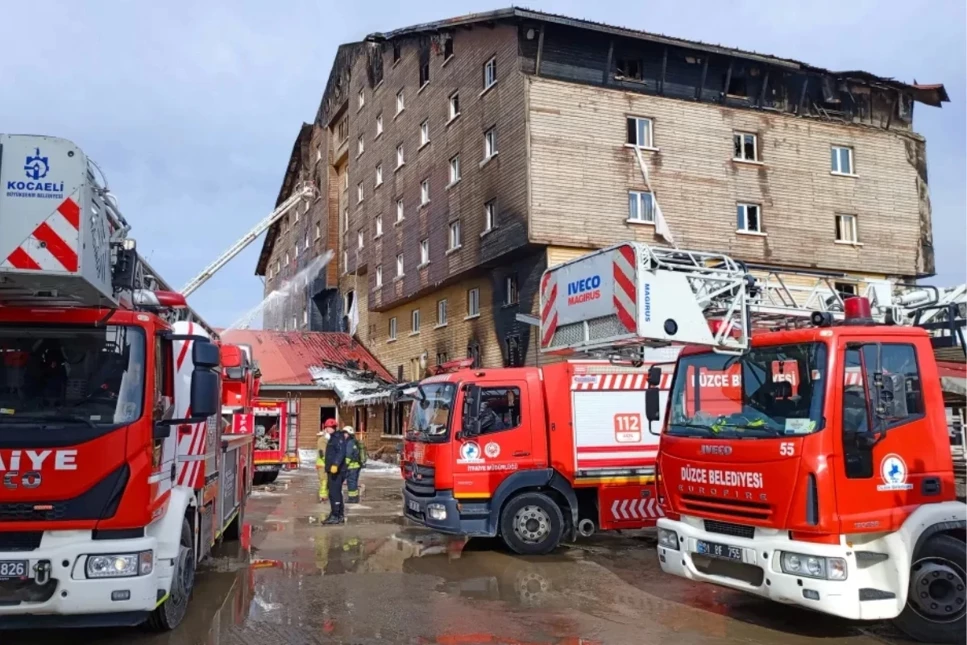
{"type": "Point", "coordinates": [293, 581]}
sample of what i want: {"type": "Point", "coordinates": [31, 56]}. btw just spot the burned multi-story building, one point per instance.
{"type": "Point", "coordinates": [456, 160]}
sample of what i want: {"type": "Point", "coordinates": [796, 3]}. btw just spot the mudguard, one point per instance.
{"type": "Point", "coordinates": [529, 480]}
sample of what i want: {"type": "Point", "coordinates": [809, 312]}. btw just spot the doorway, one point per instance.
{"type": "Point", "coordinates": [327, 412]}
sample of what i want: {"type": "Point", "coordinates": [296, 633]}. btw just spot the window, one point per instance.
{"type": "Point", "coordinates": [295, 322]}
{"type": "Point", "coordinates": [473, 353]}
{"type": "Point", "coordinates": [345, 262]}
{"type": "Point", "coordinates": [400, 102]}
{"type": "Point", "coordinates": [360, 145]}
{"type": "Point", "coordinates": [455, 235]}
{"type": "Point", "coordinates": [490, 215]}
{"type": "Point", "coordinates": [379, 225]}
{"type": "Point", "coordinates": [511, 294]}
{"type": "Point", "coordinates": [455, 170]}
{"type": "Point", "coordinates": [473, 302]}
{"type": "Point", "coordinates": [415, 321]}
{"type": "Point", "coordinates": [441, 312]}
{"type": "Point", "coordinates": [345, 219]}
{"type": "Point", "coordinates": [846, 229]}
{"type": "Point", "coordinates": [454, 105]}
{"type": "Point", "coordinates": [318, 231]}
{"type": "Point", "coordinates": [379, 275]}
{"type": "Point", "coordinates": [515, 357]}
{"type": "Point", "coordinates": [399, 265]}
{"type": "Point", "coordinates": [396, 52]}
{"type": "Point", "coordinates": [379, 174]}
{"type": "Point", "coordinates": [629, 68]}
{"type": "Point", "coordinates": [287, 257]}
{"type": "Point", "coordinates": [295, 249]}
{"type": "Point", "coordinates": [490, 73]}
{"type": "Point", "coordinates": [424, 251]}
{"type": "Point", "coordinates": [641, 207]}
{"type": "Point", "coordinates": [425, 192]}
{"type": "Point", "coordinates": [278, 267]}
{"type": "Point", "coordinates": [379, 124]}
{"type": "Point", "coordinates": [490, 143]}
{"type": "Point", "coordinates": [359, 192]}
{"type": "Point", "coordinates": [447, 48]}
{"type": "Point", "coordinates": [889, 375]}
{"type": "Point", "coordinates": [639, 132]}
{"type": "Point", "coordinates": [360, 99]}
{"type": "Point", "coordinates": [305, 240]}
{"type": "Point", "coordinates": [842, 160]}
{"type": "Point", "coordinates": [499, 409]}
{"type": "Point", "coordinates": [392, 328]}
{"type": "Point", "coordinates": [748, 218]}
{"type": "Point", "coordinates": [845, 289]}
{"type": "Point", "coordinates": [424, 71]}
{"type": "Point", "coordinates": [399, 210]}
{"type": "Point", "coordinates": [745, 146]}
{"type": "Point", "coordinates": [345, 181]}
{"type": "Point", "coordinates": [359, 240]}
{"type": "Point", "coordinates": [399, 155]}
{"type": "Point", "coordinates": [442, 357]}
{"type": "Point", "coordinates": [424, 133]}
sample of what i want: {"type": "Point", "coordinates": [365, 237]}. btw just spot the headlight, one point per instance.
{"type": "Point", "coordinates": [810, 566]}
{"type": "Point", "coordinates": [436, 511]}
{"type": "Point", "coordinates": [120, 565]}
{"type": "Point", "coordinates": [668, 539]}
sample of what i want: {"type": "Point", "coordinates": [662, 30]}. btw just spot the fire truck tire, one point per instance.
{"type": "Point", "coordinates": [936, 602]}
{"type": "Point", "coordinates": [270, 477]}
{"type": "Point", "coordinates": [531, 524]}
{"type": "Point", "coordinates": [172, 611]}
{"type": "Point", "coordinates": [258, 479]}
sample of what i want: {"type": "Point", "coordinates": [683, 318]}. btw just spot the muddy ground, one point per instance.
{"type": "Point", "coordinates": [377, 580]}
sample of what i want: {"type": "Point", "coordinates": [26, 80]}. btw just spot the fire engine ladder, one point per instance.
{"type": "Point", "coordinates": [304, 191]}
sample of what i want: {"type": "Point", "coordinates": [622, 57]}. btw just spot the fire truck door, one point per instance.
{"type": "Point", "coordinates": [882, 476]}
{"type": "Point", "coordinates": [505, 443]}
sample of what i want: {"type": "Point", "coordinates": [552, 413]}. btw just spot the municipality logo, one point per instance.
{"type": "Point", "coordinates": [36, 166]}
{"type": "Point", "coordinates": [893, 472]}
{"type": "Point", "coordinates": [470, 453]}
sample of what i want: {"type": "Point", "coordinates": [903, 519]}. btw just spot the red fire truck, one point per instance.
{"type": "Point", "coordinates": [117, 480]}
{"type": "Point", "coordinates": [272, 423]}
{"type": "Point", "coordinates": [805, 455]}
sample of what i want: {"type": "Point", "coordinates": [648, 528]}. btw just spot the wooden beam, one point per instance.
{"type": "Point", "coordinates": [701, 86]}
{"type": "Point", "coordinates": [728, 80]}
{"type": "Point", "coordinates": [540, 51]}
{"type": "Point", "coordinates": [802, 95]}
{"type": "Point", "coordinates": [664, 66]}
{"type": "Point", "coordinates": [765, 86]}
{"type": "Point", "coordinates": [607, 69]}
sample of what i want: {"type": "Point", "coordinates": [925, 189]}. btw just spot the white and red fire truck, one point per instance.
{"type": "Point", "coordinates": [116, 478]}
{"type": "Point", "coordinates": [805, 455]}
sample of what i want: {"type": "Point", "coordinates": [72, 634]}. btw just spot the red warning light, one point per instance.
{"type": "Point", "coordinates": [857, 308]}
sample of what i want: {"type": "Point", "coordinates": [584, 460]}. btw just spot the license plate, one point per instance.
{"type": "Point", "coordinates": [266, 469]}
{"type": "Point", "coordinates": [13, 569]}
{"type": "Point", "coordinates": [413, 506]}
{"type": "Point", "coordinates": [715, 550]}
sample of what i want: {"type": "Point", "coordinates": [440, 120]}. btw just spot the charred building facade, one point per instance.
{"type": "Point", "coordinates": [456, 160]}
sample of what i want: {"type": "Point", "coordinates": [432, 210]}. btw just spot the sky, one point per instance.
{"type": "Point", "coordinates": [191, 109]}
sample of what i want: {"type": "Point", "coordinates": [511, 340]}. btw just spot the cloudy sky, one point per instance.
{"type": "Point", "coordinates": [191, 108]}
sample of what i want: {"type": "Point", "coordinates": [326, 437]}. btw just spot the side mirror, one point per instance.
{"type": "Point", "coordinates": [654, 376]}
{"type": "Point", "coordinates": [653, 397]}
{"type": "Point", "coordinates": [471, 411]}
{"type": "Point", "coordinates": [205, 394]}
{"type": "Point", "coordinates": [205, 354]}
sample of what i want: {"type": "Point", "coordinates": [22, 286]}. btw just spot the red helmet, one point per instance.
{"type": "Point", "coordinates": [330, 423]}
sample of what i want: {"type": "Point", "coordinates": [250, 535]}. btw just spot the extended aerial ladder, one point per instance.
{"type": "Point", "coordinates": [303, 191]}
{"type": "Point", "coordinates": [621, 299]}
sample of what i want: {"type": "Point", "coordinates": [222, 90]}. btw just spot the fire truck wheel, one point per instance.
{"type": "Point", "coordinates": [531, 524]}
{"type": "Point", "coordinates": [937, 599]}
{"type": "Point", "coordinates": [258, 479]}
{"type": "Point", "coordinates": [172, 611]}
{"type": "Point", "coordinates": [270, 477]}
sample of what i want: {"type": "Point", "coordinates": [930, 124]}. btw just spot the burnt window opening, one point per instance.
{"type": "Point", "coordinates": [447, 47]}
{"type": "Point", "coordinates": [424, 64]}
{"type": "Point", "coordinates": [511, 292]}
{"type": "Point", "coordinates": [738, 86]}
{"type": "Point", "coordinates": [629, 68]}
{"type": "Point", "coordinates": [473, 352]}
{"type": "Point", "coordinates": [442, 357]}
{"type": "Point", "coordinates": [514, 355]}
{"type": "Point", "coordinates": [397, 53]}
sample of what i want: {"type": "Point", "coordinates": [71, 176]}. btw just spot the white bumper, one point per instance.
{"type": "Point", "coordinates": [74, 594]}
{"type": "Point", "coordinates": [762, 554]}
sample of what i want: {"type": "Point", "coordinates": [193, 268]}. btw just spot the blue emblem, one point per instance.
{"type": "Point", "coordinates": [36, 167]}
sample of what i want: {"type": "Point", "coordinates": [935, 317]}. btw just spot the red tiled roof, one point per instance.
{"type": "Point", "coordinates": [285, 357]}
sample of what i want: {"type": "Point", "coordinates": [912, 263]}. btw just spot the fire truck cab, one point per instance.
{"type": "Point", "coordinates": [116, 479]}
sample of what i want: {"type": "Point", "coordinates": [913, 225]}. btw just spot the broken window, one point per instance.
{"type": "Point", "coordinates": [397, 53]}
{"type": "Point", "coordinates": [514, 357]}
{"type": "Point", "coordinates": [737, 85]}
{"type": "Point", "coordinates": [442, 357]}
{"type": "Point", "coordinates": [639, 132]}
{"type": "Point", "coordinates": [628, 68]}
{"type": "Point", "coordinates": [748, 218]}
{"type": "Point", "coordinates": [447, 47]}
{"type": "Point", "coordinates": [511, 292]}
{"type": "Point", "coordinates": [473, 352]}
{"type": "Point", "coordinates": [745, 146]}
{"type": "Point", "coordinates": [424, 72]}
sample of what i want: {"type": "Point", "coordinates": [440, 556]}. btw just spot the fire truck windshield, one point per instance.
{"type": "Point", "coordinates": [71, 375]}
{"type": "Point", "coordinates": [430, 418]}
{"type": "Point", "coordinates": [769, 391]}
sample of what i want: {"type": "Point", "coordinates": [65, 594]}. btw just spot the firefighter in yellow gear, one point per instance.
{"type": "Point", "coordinates": [323, 440]}
{"type": "Point", "coordinates": [355, 458]}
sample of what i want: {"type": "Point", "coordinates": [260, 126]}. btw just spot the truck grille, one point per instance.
{"type": "Point", "coordinates": [20, 540]}
{"type": "Point", "coordinates": [723, 506]}
{"type": "Point", "coordinates": [725, 528]}
{"type": "Point", "coordinates": [32, 512]}
{"type": "Point", "coordinates": [419, 479]}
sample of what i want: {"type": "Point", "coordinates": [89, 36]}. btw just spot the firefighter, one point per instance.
{"type": "Point", "coordinates": [335, 464]}
{"type": "Point", "coordinates": [323, 440]}
{"type": "Point", "coordinates": [355, 459]}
